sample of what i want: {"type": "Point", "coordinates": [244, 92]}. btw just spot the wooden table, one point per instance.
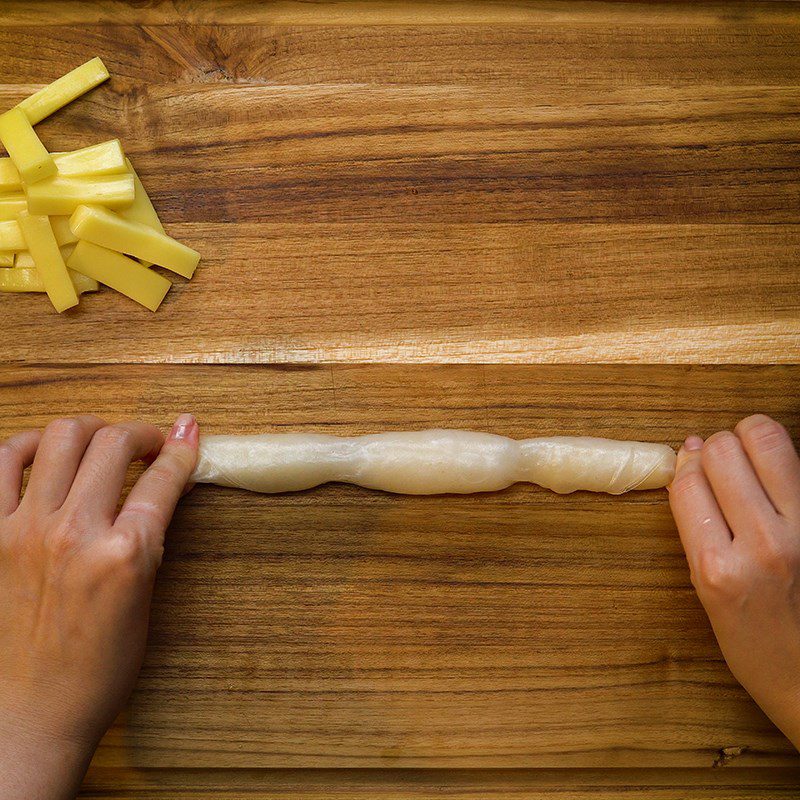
{"type": "Point", "coordinates": [521, 217]}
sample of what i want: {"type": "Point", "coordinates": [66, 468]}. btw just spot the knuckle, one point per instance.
{"type": "Point", "coordinates": [144, 516]}
{"type": "Point", "coordinates": [128, 556]}
{"type": "Point", "coordinates": [114, 436]}
{"type": "Point", "coordinates": [777, 557]}
{"type": "Point", "coordinates": [67, 428]}
{"type": "Point", "coordinates": [9, 455]}
{"type": "Point", "coordinates": [766, 435]}
{"type": "Point", "coordinates": [124, 550]}
{"type": "Point", "coordinates": [62, 540]}
{"type": "Point", "coordinates": [163, 472]}
{"type": "Point", "coordinates": [688, 483]}
{"type": "Point", "coordinates": [712, 573]}
{"type": "Point", "coordinates": [722, 444]}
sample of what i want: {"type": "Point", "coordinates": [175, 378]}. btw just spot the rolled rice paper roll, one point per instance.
{"type": "Point", "coordinates": [432, 462]}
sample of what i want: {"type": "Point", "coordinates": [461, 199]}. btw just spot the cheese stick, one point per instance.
{"type": "Point", "coordinates": [62, 195]}
{"type": "Point", "coordinates": [28, 279]}
{"type": "Point", "coordinates": [120, 273]}
{"type": "Point", "coordinates": [63, 90]}
{"type": "Point", "coordinates": [27, 153]}
{"type": "Point", "coordinates": [105, 158]}
{"type": "Point", "coordinates": [10, 180]}
{"type": "Point", "coordinates": [432, 462]}
{"type": "Point", "coordinates": [25, 259]}
{"type": "Point", "coordinates": [11, 205]}
{"type": "Point", "coordinates": [107, 229]}
{"type": "Point", "coordinates": [141, 209]}
{"type": "Point", "coordinates": [48, 260]}
{"type": "Point", "coordinates": [11, 237]}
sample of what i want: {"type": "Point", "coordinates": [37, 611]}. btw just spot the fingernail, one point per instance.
{"type": "Point", "coordinates": [184, 430]}
{"type": "Point", "coordinates": [693, 443]}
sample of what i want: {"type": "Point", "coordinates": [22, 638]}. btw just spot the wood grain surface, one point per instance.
{"type": "Point", "coordinates": [342, 627]}
{"type": "Point", "coordinates": [526, 217]}
{"type": "Point", "coordinates": [473, 784]}
{"type": "Point", "coordinates": [528, 182]}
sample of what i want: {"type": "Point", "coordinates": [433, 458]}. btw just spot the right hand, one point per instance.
{"type": "Point", "coordinates": [736, 501]}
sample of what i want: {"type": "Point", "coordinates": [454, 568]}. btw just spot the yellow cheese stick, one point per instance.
{"type": "Point", "coordinates": [141, 209]}
{"type": "Point", "coordinates": [29, 155]}
{"type": "Point", "coordinates": [119, 272]}
{"type": "Point", "coordinates": [105, 158]}
{"type": "Point", "coordinates": [103, 227]}
{"type": "Point", "coordinates": [9, 176]}
{"type": "Point", "coordinates": [64, 90]}
{"type": "Point", "coordinates": [11, 235]}
{"type": "Point", "coordinates": [27, 279]}
{"type": "Point", "coordinates": [62, 230]}
{"type": "Point", "coordinates": [11, 205]}
{"type": "Point", "coordinates": [47, 257]}
{"type": "Point", "coordinates": [7, 258]}
{"type": "Point", "coordinates": [63, 195]}
{"type": "Point", "coordinates": [25, 259]}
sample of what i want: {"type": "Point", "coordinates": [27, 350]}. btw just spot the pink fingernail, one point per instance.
{"type": "Point", "coordinates": [184, 430]}
{"type": "Point", "coordinates": [693, 443]}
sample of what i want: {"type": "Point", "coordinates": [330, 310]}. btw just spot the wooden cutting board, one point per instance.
{"type": "Point", "coordinates": [419, 214]}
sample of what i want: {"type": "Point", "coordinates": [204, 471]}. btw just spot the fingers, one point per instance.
{"type": "Point", "coordinates": [58, 457]}
{"type": "Point", "coordinates": [700, 522]}
{"type": "Point", "coordinates": [101, 475]}
{"type": "Point", "coordinates": [16, 454]}
{"type": "Point", "coordinates": [774, 458]}
{"type": "Point", "coordinates": [151, 503]}
{"type": "Point", "coordinates": [740, 495]}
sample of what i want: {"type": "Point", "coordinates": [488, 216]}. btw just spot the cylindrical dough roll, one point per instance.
{"type": "Point", "coordinates": [432, 462]}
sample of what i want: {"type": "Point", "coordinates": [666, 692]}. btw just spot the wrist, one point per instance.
{"type": "Point", "coordinates": [36, 761]}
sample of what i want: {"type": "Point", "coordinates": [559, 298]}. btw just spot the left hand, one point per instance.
{"type": "Point", "coordinates": [76, 579]}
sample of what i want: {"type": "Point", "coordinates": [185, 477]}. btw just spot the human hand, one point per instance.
{"type": "Point", "coordinates": [76, 579]}
{"type": "Point", "coordinates": [736, 502]}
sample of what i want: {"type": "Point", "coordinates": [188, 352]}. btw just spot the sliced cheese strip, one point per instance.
{"type": "Point", "coordinates": [63, 90]}
{"type": "Point", "coordinates": [26, 150]}
{"type": "Point", "coordinates": [7, 258]}
{"type": "Point", "coordinates": [62, 230]}
{"type": "Point", "coordinates": [25, 259]}
{"type": "Point", "coordinates": [9, 176]}
{"type": "Point", "coordinates": [48, 260]}
{"type": "Point", "coordinates": [11, 237]}
{"type": "Point", "coordinates": [141, 209]}
{"type": "Point", "coordinates": [11, 205]}
{"type": "Point", "coordinates": [62, 195]}
{"type": "Point", "coordinates": [103, 227]}
{"type": "Point", "coordinates": [27, 279]}
{"type": "Point", "coordinates": [105, 158]}
{"type": "Point", "coordinates": [119, 272]}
